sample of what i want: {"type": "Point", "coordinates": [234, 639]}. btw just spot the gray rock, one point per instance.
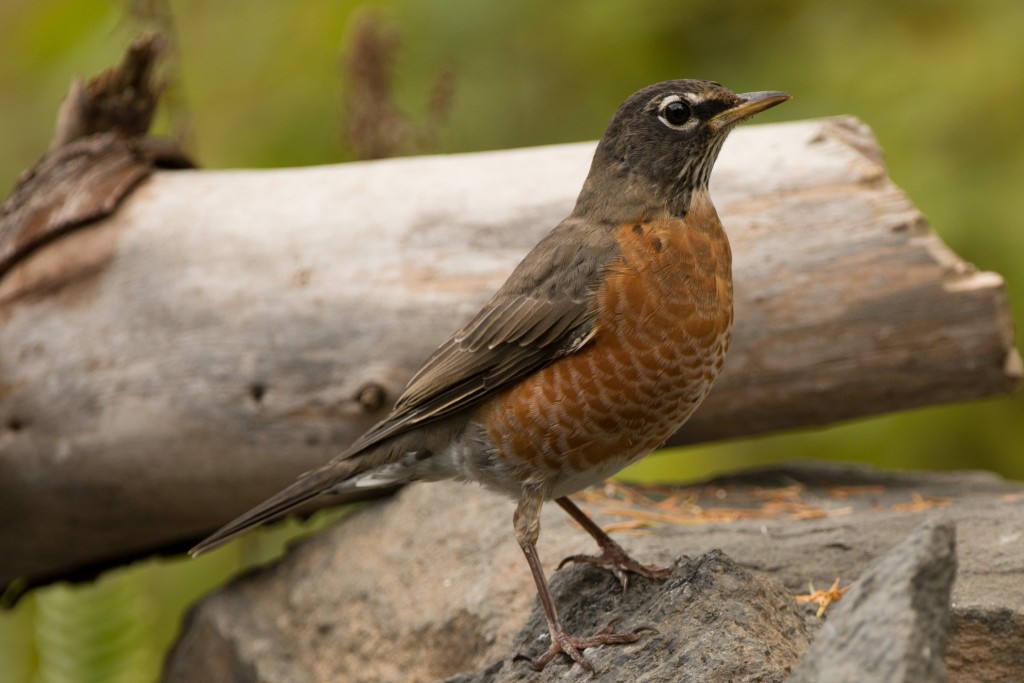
{"type": "Point", "coordinates": [892, 625]}
{"type": "Point", "coordinates": [986, 644]}
{"type": "Point", "coordinates": [431, 584]}
{"type": "Point", "coordinates": [715, 621]}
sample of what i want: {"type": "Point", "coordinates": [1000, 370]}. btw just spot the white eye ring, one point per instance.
{"type": "Point", "coordinates": [675, 112]}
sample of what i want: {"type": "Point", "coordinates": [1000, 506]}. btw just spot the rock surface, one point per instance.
{"type": "Point", "coordinates": [431, 585]}
{"type": "Point", "coordinates": [715, 621]}
{"type": "Point", "coordinates": [892, 625]}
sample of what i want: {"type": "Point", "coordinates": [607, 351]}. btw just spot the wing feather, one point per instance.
{"type": "Point", "coordinates": [545, 310]}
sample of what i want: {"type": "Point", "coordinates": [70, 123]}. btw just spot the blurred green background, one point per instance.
{"type": "Point", "coordinates": [941, 82]}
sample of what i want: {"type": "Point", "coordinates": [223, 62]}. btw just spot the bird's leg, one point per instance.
{"type": "Point", "coordinates": [527, 525]}
{"type": "Point", "coordinates": [612, 556]}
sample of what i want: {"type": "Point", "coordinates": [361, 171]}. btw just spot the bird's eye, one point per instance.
{"type": "Point", "coordinates": [675, 112]}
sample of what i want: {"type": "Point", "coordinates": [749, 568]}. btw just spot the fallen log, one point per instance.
{"type": "Point", "coordinates": [168, 366]}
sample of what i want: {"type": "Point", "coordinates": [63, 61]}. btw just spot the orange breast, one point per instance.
{"type": "Point", "coordinates": [665, 312]}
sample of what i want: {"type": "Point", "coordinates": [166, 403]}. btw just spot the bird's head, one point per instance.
{"type": "Point", "coordinates": [662, 142]}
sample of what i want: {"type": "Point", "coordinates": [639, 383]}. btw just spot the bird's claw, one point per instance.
{"type": "Point", "coordinates": [616, 560]}
{"type": "Point", "coordinates": [573, 646]}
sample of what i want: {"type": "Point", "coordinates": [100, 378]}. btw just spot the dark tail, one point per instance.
{"type": "Point", "coordinates": [306, 488]}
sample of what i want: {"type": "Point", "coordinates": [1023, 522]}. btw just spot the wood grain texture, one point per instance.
{"type": "Point", "coordinates": [223, 331]}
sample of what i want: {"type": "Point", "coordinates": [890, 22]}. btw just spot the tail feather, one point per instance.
{"type": "Point", "coordinates": [368, 469]}
{"type": "Point", "coordinates": [308, 486]}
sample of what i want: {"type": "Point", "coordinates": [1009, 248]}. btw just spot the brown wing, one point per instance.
{"type": "Point", "coordinates": [544, 310]}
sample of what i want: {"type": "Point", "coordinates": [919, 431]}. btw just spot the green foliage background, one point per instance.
{"type": "Point", "coordinates": [941, 82]}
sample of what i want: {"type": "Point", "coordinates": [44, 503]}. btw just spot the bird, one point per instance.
{"type": "Point", "coordinates": [601, 343]}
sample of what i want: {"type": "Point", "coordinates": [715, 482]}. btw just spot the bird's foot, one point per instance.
{"type": "Point", "coordinates": [618, 561]}
{"type": "Point", "coordinates": [573, 646]}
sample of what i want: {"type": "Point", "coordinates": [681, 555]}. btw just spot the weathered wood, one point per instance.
{"type": "Point", "coordinates": [223, 331]}
{"type": "Point", "coordinates": [100, 151]}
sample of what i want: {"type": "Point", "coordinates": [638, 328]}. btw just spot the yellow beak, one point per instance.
{"type": "Point", "coordinates": [750, 103]}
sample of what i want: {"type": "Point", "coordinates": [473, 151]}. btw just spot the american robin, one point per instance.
{"type": "Point", "coordinates": [598, 347]}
